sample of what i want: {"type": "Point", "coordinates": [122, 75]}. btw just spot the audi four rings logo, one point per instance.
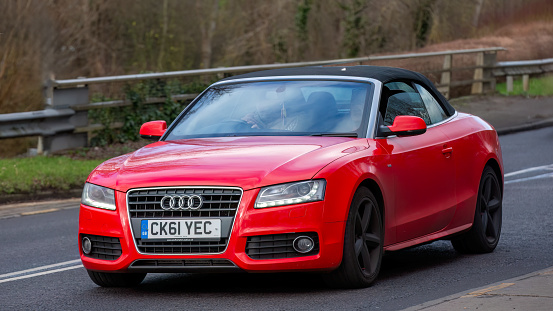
{"type": "Point", "coordinates": [181, 202]}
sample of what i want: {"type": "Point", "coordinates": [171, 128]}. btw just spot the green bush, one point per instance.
{"type": "Point", "coordinates": [138, 113]}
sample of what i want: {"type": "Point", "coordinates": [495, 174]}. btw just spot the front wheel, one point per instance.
{"type": "Point", "coordinates": [486, 228]}
{"type": "Point", "coordinates": [363, 244]}
{"type": "Point", "coordinates": [116, 279]}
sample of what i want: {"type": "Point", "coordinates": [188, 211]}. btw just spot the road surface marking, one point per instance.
{"type": "Point", "coordinates": [40, 273]}
{"type": "Point", "coordinates": [487, 290]}
{"type": "Point", "coordinates": [531, 169]}
{"type": "Point", "coordinates": [40, 212]}
{"type": "Point", "coordinates": [548, 175]}
{"type": "Point", "coordinates": [65, 263]}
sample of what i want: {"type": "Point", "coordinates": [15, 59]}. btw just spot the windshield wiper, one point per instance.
{"type": "Point", "coordinates": [335, 134]}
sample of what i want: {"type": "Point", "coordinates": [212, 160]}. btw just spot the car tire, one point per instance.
{"type": "Point", "coordinates": [116, 279]}
{"type": "Point", "coordinates": [363, 244]}
{"type": "Point", "coordinates": [486, 228]}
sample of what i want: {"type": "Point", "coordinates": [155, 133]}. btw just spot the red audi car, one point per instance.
{"type": "Point", "coordinates": [307, 169]}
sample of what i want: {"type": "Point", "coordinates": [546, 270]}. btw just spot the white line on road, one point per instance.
{"type": "Point", "coordinates": [548, 175]}
{"type": "Point", "coordinates": [531, 169]}
{"type": "Point", "coordinates": [40, 273]}
{"type": "Point", "coordinates": [12, 276]}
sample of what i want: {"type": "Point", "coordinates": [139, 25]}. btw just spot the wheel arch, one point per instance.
{"type": "Point", "coordinates": [373, 186]}
{"type": "Point", "coordinates": [497, 169]}
{"type": "Point", "coordinates": [349, 273]}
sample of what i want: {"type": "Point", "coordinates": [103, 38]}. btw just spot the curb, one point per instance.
{"type": "Point", "coordinates": [40, 207]}
{"type": "Point", "coordinates": [40, 196]}
{"type": "Point", "coordinates": [525, 127]}
{"type": "Point", "coordinates": [477, 291]}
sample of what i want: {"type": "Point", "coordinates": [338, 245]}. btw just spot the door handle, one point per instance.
{"type": "Point", "coordinates": [447, 150]}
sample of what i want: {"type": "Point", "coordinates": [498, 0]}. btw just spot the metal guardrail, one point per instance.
{"type": "Point", "coordinates": [523, 68]}
{"type": "Point", "coordinates": [65, 123]}
{"type": "Point", "coordinates": [126, 102]}
{"type": "Point", "coordinates": [525, 63]}
{"type": "Point", "coordinates": [44, 122]}
{"type": "Point", "coordinates": [54, 127]}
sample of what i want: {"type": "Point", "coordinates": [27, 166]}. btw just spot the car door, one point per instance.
{"type": "Point", "coordinates": [424, 171]}
{"type": "Point", "coordinates": [464, 143]}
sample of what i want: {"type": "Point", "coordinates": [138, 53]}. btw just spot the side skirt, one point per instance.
{"type": "Point", "coordinates": [427, 238]}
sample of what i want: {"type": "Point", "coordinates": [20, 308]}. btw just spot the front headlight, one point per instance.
{"type": "Point", "coordinates": [291, 193]}
{"type": "Point", "coordinates": [100, 197]}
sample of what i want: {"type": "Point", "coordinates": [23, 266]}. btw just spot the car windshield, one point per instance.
{"type": "Point", "coordinates": [283, 108]}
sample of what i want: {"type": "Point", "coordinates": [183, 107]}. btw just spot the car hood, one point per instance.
{"type": "Point", "coordinates": [246, 162]}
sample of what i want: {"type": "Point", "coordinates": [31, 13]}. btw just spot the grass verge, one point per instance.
{"type": "Point", "coordinates": [542, 86]}
{"type": "Point", "coordinates": [33, 175]}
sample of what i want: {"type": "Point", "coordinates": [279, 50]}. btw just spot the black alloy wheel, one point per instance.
{"type": "Point", "coordinates": [363, 244]}
{"type": "Point", "coordinates": [486, 229]}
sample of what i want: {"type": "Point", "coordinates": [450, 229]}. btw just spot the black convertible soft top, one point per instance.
{"type": "Point", "coordinates": [383, 74]}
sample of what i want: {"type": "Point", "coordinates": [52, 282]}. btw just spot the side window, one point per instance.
{"type": "Point", "coordinates": [400, 99]}
{"type": "Point", "coordinates": [435, 111]}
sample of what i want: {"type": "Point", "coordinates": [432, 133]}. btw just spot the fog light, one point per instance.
{"type": "Point", "coordinates": [303, 244]}
{"type": "Point", "coordinates": [87, 245]}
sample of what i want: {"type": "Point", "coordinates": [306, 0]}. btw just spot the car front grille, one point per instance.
{"type": "Point", "coordinates": [104, 247]}
{"type": "Point", "coordinates": [277, 246]}
{"type": "Point", "coordinates": [217, 203]}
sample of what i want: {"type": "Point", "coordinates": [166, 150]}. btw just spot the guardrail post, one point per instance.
{"type": "Point", "coordinates": [446, 76]}
{"type": "Point", "coordinates": [49, 92]}
{"type": "Point", "coordinates": [509, 84]}
{"type": "Point", "coordinates": [490, 59]}
{"type": "Point", "coordinates": [525, 82]}
{"type": "Point", "coordinates": [40, 146]}
{"type": "Point", "coordinates": [478, 74]}
{"type": "Point", "coordinates": [63, 99]}
{"type": "Point", "coordinates": [48, 103]}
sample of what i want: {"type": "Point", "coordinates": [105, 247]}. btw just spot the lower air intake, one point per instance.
{"type": "Point", "coordinates": [277, 246]}
{"type": "Point", "coordinates": [104, 247]}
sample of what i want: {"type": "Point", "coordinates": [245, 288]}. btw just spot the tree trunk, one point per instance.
{"type": "Point", "coordinates": [207, 29]}
{"type": "Point", "coordinates": [163, 36]}
{"type": "Point", "coordinates": [477, 11]}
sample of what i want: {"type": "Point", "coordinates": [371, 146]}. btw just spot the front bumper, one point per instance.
{"type": "Point", "coordinates": [249, 222]}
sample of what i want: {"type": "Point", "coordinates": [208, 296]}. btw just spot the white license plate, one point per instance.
{"type": "Point", "coordinates": [181, 229]}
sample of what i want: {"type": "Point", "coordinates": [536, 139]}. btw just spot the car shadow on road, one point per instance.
{"type": "Point", "coordinates": [235, 283]}
{"type": "Point", "coordinates": [397, 264]}
{"type": "Point", "coordinates": [418, 259]}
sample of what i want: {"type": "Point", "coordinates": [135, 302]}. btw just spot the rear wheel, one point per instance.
{"type": "Point", "coordinates": [486, 228]}
{"type": "Point", "coordinates": [363, 244]}
{"type": "Point", "coordinates": [116, 279]}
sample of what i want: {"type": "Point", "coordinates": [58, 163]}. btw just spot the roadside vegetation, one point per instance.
{"type": "Point", "coordinates": [132, 117]}
{"type": "Point", "coordinates": [542, 86]}
{"type": "Point", "coordinates": [38, 174]}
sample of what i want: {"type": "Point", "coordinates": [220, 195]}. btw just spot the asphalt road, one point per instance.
{"type": "Point", "coordinates": [408, 277]}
